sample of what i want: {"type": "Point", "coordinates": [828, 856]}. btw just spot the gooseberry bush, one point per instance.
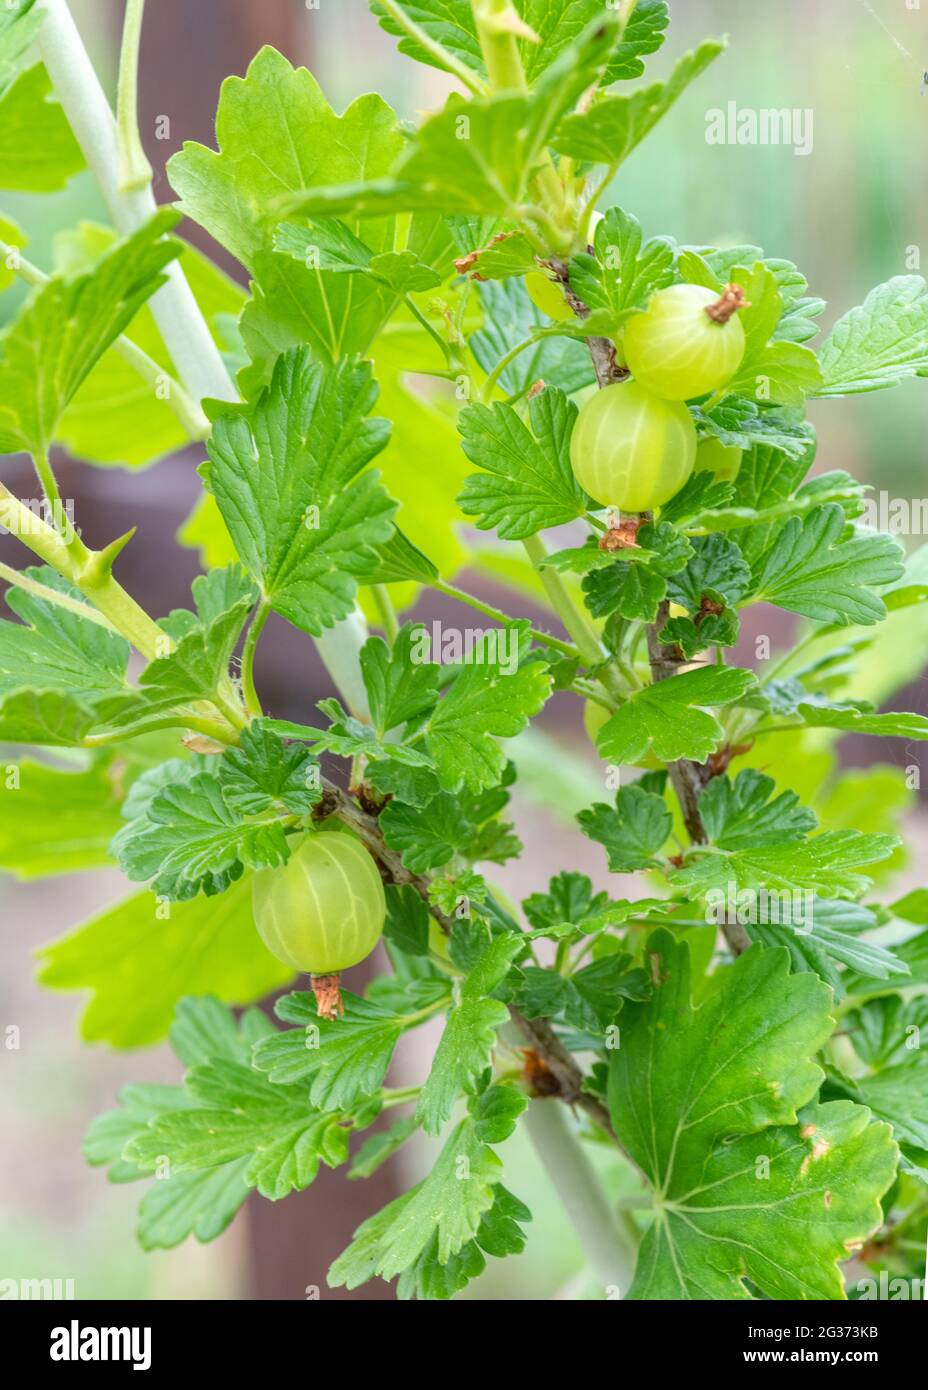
{"type": "Point", "coordinates": [726, 1045]}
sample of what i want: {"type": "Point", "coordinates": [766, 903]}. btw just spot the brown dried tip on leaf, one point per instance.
{"type": "Point", "coordinates": [537, 1075]}
{"type": "Point", "coordinates": [730, 301]}
{"type": "Point", "coordinates": [465, 263]}
{"type": "Point", "coordinates": [621, 535]}
{"type": "Point", "coordinates": [535, 390]}
{"type": "Point", "coordinates": [709, 605]}
{"type": "Point", "coordinates": [327, 989]}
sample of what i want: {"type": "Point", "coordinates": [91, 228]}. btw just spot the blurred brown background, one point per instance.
{"type": "Point", "coordinates": [851, 214]}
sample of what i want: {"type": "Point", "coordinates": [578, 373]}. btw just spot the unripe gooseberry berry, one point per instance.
{"type": "Point", "coordinates": [724, 460]}
{"type": "Point", "coordinates": [323, 910]}
{"type": "Point", "coordinates": [677, 350]}
{"type": "Point", "coordinates": [547, 296]}
{"type": "Point", "coordinates": [630, 449]}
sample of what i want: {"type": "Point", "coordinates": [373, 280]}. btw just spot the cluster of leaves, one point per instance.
{"type": "Point", "coordinates": [713, 1074]}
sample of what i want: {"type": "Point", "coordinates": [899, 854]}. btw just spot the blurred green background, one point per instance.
{"type": "Point", "coordinates": [851, 214]}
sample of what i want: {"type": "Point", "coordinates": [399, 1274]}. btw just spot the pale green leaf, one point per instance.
{"type": "Point", "coordinates": [880, 343]}
{"type": "Point", "coordinates": [138, 958]}
{"type": "Point", "coordinates": [39, 153]}
{"type": "Point", "coordinates": [67, 325]}
{"type": "Point", "coordinates": [611, 129]}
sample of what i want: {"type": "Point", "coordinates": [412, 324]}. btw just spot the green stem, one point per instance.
{"type": "Point", "coordinates": [82, 567]}
{"type": "Point", "coordinates": [605, 1243]}
{"type": "Point", "coordinates": [498, 42]}
{"type": "Point", "coordinates": [585, 638]}
{"type": "Point", "coordinates": [230, 707]}
{"type": "Point", "coordinates": [436, 50]}
{"type": "Point", "coordinates": [210, 728]}
{"type": "Point", "coordinates": [134, 169]}
{"type": "Point", "coordinates": [429, 1011]}
{"type": "Point", "coordinates": [401, 1095]}
{"type": "Point", "coordinates": [589, 690]}
{"type": "Point", "coordinates": [252, 702]}
{"type": "Point", "coordinates": [49, 485]}
{"type": "Point", "coordinates": [195, 355]}
{"type": "Point", "coordinates": [762, 730]}
{"type": "Point", "coordinates": [386, 612]}
{"type": "Point", "coordinates": [498, 26]}
{"type": "Point", "coordinates": [487, 609]}
{"type": "Point", "coordinates": [583, 231]}
{"type": "Point", "coordinates": [423, 321]}
{"type": "Point", "coordinates": [489, 385]}
{"type": "Point", "coordinates": [787, 659]}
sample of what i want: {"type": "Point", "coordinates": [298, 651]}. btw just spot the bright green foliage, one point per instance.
{"type": "Point", "coordinates": [39, 153]}
{"type": "Point", "coordinates": [826, 863]}
{"type": "Point", "coordinates": [819, 567]}
{"type": "Point", "coordinates": [199, 1202]}
{"type": "Point", "coordinates": [278, 134]}
{"type": "Point", "coordinates": [623, 271]}
{"type": "Point", "coordinates": [229, 1113]}
{"type": "Point", "coordinates": [470, 1033]}
{"type": "Point", "coordinates": [673, 717]}
{"type": "Point", "coordinates": [633, 832]}
{"type": "Point", "coordinates": [554, 23]}
{"type": "Point", "coordinates": [773, 369]}
{"type": "Point", "coordinates": [263, 772]}
{"type": "Point", "coordinates": [530, 484]}
{"type": "Point", "coordinates": [399, 687]}
{"type": "Point", "coordinates": [741, 814]}
{"type": "Point", "coordinates": [59, 648]}
{"type": "Point", "coordinates": [881, 343]}
{"type": "Point", "coordinates": [86, 817]}
{"type": "Point", "coordinates": [306, 525]}
{"type": "Point", "coordinates": [482, 168]}
{"type": "Point", "coordinates": [346, 1061]}
{"type": "Point", "coordinates": [731, 1078]}
{"type": "Point", "coordinates": [484, 704]}
{"type": "Point", "coordinates": [439, 1222]}
{"type": "Point", "coordinates": [188, 838]}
